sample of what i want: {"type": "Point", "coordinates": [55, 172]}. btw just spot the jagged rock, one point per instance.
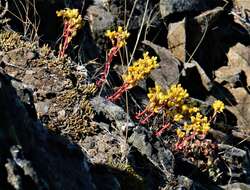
{"type": "Point", "coordinates": [28, 150]}
{"type": "Point", "coordinates": [239, 58]}
{"type": "Point", "coordinates": [233, 76]}
{"type": "Point", "coordinates": [99, 19]}
{"type": "Point", "coordinates": [179, 33]}
{"type": "Point", "coordinates": [168, 73]}
{"type": "Point", "coordinates": [236, 186]}
{"type": "Point", "coordinates": [203, 76]}
{"type": "Point", "coordinates": [184, 183]}
{"type": "Point", "coordinates": [242, 4]}
{"type": "Point", "coordinates": [168, 7]}
{"type": "Point", "coordinates": [112, 112]}
{"type": "Point", "coordinates": [241, 110]}
{"type": "Point", "coordinates": [177, 40]}
{"type": "Point", "coordinates": [156, 153]}
{"type": "Point", "coordinates": [134, 12]}
{"type": "Point", "coordinates": [237, 160]}
{"type": "Point", "coordinates": [102, 147]}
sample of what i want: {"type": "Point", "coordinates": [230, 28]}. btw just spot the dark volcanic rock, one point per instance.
{"type": "Point", "coordinates": [158, 155]}
{"type": "Point", "coordinates": [168, 7]}
{"type": "Point", "coordinates": [30, 157]}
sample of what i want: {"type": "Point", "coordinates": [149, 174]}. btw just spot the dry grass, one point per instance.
{"type": "Point", "coordinates": [29, 18]}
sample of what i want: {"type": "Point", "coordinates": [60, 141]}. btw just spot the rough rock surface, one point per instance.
{"type": "Point", "coordinates": [29, 153]}
{"type": "Point", "coordinates": [207, 52]}
{"type": "Point", "coordinates": [168, 7]}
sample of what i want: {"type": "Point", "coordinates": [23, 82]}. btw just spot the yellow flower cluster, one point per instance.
{"type": "Point", "coordinates": [73, 19]}
{"type": "Point", "coordinates": [175, 103]}
{"type": "Point", "coordinates": [157, 98]}
{"type": "Point", "coordinates": [218, 106]}
{"type": "Point", "coordinates": [170, 99]}
{"type": "Point", "coordinates": [118, 38]}
{"type": "Point", "coordinates": [176, 96]}
{"type": "Point", "coordinates": [140, 69]}
{"type": "Point", "coordinates": [199, 125]}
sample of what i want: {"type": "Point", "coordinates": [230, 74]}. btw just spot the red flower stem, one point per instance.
{"type": "Point", "coordinates": [145, 120]}
{"type": "Point", "coordinates": [180, 145]}
{"type": "Point", "coordinates": [164, 127]}
{"type": "Point", "coordinates": [138, 115]}
{"type": "Point", "coordinates": [66, 34]}
{"type": "Point", "coordinates": [119, 92]}
{"type": "Point", "coordinates": [112, 53]}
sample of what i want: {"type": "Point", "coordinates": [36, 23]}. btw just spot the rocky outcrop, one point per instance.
{"type": "Point", "coordinates": [30, 156]}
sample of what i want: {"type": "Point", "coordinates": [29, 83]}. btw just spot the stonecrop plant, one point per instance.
{"type": "Point", "coordinates": [139, 70]}
{"type": "Point", "coordinates": [118, 39]}
{"type": "Point", "coordinates": [170, 101]}
{"type": "Point", "coordinates": [175, 104]}
{"type": "Point", "coordinates": [196, 128]}
{"type": "Point", "coordinates": [72, 21]}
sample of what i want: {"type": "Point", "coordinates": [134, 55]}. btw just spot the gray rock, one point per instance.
{"type": "Point", "coordinates": [236, 186]}
{"type": "Point", "coordinates": [237, 161]}
{"type": "Point", "coordinates": [156, 153]}
{"type": "Point", "coordinates": [168, 72]}
{"type": "Point", "coordinates": [168, 7]}
{"type": "Point", "coordinates": [99, 19]}
{"type": "Point", "coordinates": [29, 152]}
{"type": "Point", "coordinates": [112, 112]}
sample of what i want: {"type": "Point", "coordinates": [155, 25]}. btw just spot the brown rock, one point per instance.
{"type": "Point", "coordinates": [228, 74]}
{"type": "Point", "coordinates": [185, 36]}
{"type": "Point", "coordinates": [243, 3]}
{"type": "Point", "coordinates": [177, 40]}
{"type": "Point", "coordinates": [239, 58]}
{"type": "Point", "coordinates": [168, 73]}
{"type": "Point", "coordinates": [242, 109]}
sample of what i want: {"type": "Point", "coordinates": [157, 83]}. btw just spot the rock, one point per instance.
{"type": "Point", "coordinates": [206, 82]}
{"type": "Point", "coordinates": [236, 186]}
{"type": "Point", "coordinates": [239, 55]}
{"type": "Point", "coordinates": [184, 182]}
{"type": "Point", "coordinates": [19, 162]}
{"type": "Point", "coordinates": [103, 148]}
{"type": "Point", "coordinates": [112, 112]}
{"type": "Point", "coordinates": [156, 153]}
{"type": "Point", "coordinates": [202, 42]}
{"type": "Point", "coordinates": [168, 7]}
{"type": "Point", "coordinates": [242, 4]}
{"type": "Point", "coordinates": [134, 11]}
{"type": "Point", "coordinates": [177, 40]}
{"type": "Point", "coordinates": [239, 58]}
{"type": "Point", "coordinates": [29, 153]}
{"type": "Point", "coordinates": [237, 161]}
{"type": "Point", "coordinates": [99, 19]}
{"type": "Point", "coordinates": [241, 110]}
{"type": "Point", "coordinates": [168, 72]}
{"type": "Point", "coordinates": [179, 33]}
{"type": "Point", "coordinates": [233, 76]}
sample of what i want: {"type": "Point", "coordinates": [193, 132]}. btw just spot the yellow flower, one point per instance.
{"type": "Point", "coordinates": [180, 133]}
{"type": "Point", "coordinates": [199, 123]}
{"type": "Point", "coordinates": [72, 16]}
{"type": "Point", "coordinates": [140, 69]}
{"type": "Point", "coordinates": [178, 117]}
{"type": "Point", "coordinates": [205, 127]}
{"type": "Point", "coordinates": [187, 127]}
{"type": "Point", "coordinates": [118, 38]}
{"type": "Point", "coordinates": [193, 110]}
{"type": "Point", "coordinates": [72, 20]}
{"type": "Point", "coordinates": [184, 108]}
{"type": "Point", "coordinates": [218, 106]}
